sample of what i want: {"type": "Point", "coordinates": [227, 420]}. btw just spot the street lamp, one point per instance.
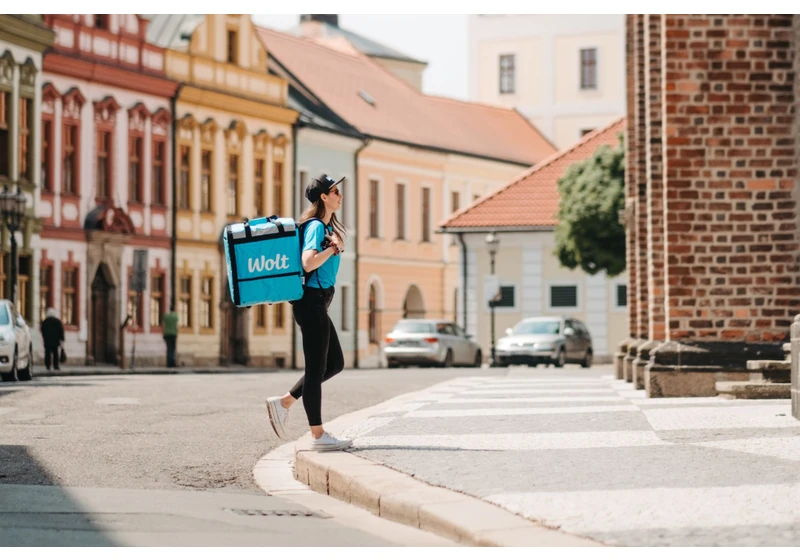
{"type": "Point", "coordinates": [12, 210]}
{"type": "Point", "coordinates": [492, 242]}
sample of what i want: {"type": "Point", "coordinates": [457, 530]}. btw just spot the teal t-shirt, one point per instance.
{"type": "Point", "coordinates": [324, 276]}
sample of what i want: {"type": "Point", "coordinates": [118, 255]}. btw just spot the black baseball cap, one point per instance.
{"type": "Point", "coordinates": [319, 186]}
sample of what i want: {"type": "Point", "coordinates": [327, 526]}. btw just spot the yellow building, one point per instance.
{"type": "Point", "coordinates": [233, 160]}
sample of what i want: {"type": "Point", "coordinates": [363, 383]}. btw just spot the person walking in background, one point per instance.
{"type": "Point", "coordinates": [171, 335]}
{"type": "Point", "coordinates": [53, 336]}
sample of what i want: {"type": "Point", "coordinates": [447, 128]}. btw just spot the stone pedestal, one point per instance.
{"type": "Point", "coordinates": [692, 369]}
{"type": "Point", "coordinates": [630, 356]}
{"type": "Point", "coordinates": [619, 358]}
{"type": "Point", "coordinates": [641, 361]}
{"type": "Point", "coordinates": [795, 365]}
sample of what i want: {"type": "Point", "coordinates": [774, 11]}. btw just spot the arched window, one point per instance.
{"type": "Point", "coordinates": [373, 315]}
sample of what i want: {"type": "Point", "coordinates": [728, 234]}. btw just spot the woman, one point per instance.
{"type": "Point", "coordinates": [323, 353]}
{"type": "Point", "coordinates": [53, 336]}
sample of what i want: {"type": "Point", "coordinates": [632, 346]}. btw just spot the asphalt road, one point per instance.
{"type": "Point", "coordinates": [81, 437]}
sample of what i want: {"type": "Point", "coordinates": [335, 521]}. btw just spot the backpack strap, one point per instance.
{"type": "Point", "coordinates": [302, 238]}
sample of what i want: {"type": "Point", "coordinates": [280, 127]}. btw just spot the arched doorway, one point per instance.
{"type": "Point", "coordinates": [413, 305]}
{"type": "Point", "coordinates": [103, 347]}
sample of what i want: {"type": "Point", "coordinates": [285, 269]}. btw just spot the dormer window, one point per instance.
{"type": "Point", "coordinates": [101, 21]}
{"type": "Point", "coordinates": [232, 47]}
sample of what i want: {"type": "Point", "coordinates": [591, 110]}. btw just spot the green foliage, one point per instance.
{"type": "Point", "coordinates": [589, 233]}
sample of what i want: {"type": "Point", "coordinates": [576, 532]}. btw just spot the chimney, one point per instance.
{"type": "Point", "coordinates": [332, 19]}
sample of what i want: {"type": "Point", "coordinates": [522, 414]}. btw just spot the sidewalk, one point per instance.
{"type": "Point", "coordinates": [67, 371]}
{"type": "Point", "coordinates": [582, 452]}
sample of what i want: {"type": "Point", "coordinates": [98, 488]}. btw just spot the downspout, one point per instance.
{"type": "Point", "coordinates": [295, 126]}
{"type": "Point", "coordinates": [174, 237]}
{"type": "Point", "coordinates": [365, 143]}
{"type": "Point", "coordinates": [463, 276]}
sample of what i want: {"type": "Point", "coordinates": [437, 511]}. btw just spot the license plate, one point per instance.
{"type": "Point", "coordinates": [408, 343]}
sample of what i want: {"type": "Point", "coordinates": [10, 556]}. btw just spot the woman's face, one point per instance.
{"type": "Point", "coordinates": [333, 200]}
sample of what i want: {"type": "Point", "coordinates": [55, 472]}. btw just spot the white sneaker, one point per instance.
{"type": "Point", "coordinates": [327, 442]}
{"type": "Point", "coordinates": [278, 416]}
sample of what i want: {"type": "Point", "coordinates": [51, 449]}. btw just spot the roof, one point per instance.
{"type": "Point", "coordinates": [531, 199]}
{"type": "Point", "coordinates": [172, 31]}
{"type": "Point", "coordinates": [381, 105]}
{"type": "Point", "coordinates": [368, 46]}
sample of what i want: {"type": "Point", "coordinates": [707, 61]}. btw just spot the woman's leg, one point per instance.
{"type": "Point", "coordinates": [334, 365]}
{"type": "Point", "coordinates": [316, 334]}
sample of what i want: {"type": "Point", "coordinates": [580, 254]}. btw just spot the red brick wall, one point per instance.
{"type": "Point", "coordinates": [655, 183]}
{"type": "Point", "coordinates": [731, 168]}
{"type": "Point", "coordinates": [630, 181]}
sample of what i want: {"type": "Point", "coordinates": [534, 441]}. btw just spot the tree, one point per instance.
{"type": "Point", "coordinates": [589, 233]}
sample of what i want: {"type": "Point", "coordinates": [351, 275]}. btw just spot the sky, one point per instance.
{"type": "Point", "coordinates": [439, 40]}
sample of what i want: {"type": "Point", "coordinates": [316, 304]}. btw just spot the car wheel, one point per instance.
{"type": "Point", "coordinates": [26, 373]}
{"type": "Point", "coordinates": [559, 360]}
{"type": "Point", "coordinates": [587, 360]}
{"type": "Point", "coordinates": [391, 364]}
{"type": "Point", "coordinates": [478, 359]}
{"type": "Point", "coordinates": [448, 359]}
{"type": "Point", "coordinates": [12, 375]}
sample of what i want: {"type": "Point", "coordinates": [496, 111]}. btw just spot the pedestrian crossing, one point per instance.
{"type": "Point", "coordinates": [623, 468]}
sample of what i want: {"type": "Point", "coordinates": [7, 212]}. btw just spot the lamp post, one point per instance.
{"type": "Point", "coordinates": [12, 210]}
{"type": "Point", "coordinates": [492, 242]}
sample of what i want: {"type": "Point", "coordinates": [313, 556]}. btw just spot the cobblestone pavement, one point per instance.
{"type": "Point", "coordinates": [579, 450]}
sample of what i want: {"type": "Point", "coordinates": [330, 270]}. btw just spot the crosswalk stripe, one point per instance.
{"type": "Point", "coordinates": [519, 411]}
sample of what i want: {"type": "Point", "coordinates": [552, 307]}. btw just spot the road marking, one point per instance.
{"type": "Point", "coordinates": [779, 447]}
{"type": "Point", "coordinates": [706, 417]}
{"type": "Point", "coordinates": [519, 411]}
{"type": "Point", "coordinates": [565, 400]}
{"type": "Point", "coordinates": [535, 391]}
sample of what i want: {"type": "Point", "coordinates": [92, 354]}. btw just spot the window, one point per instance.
{"type": "Point", "coordinates": [345, 308]}
{"type": "Point", "coordinates": [303, 183]}
{"type": "Point", "coordinates": [135, 307]}
{"type": "Point", "coordinates": [564, 296]}
{"type": "Point", "coordinates": [258, 186]}
{"type": "Point", "coordinates": [261, 316]}
{"type": "Point", "coordinates": [206, 310]}
{"type": "Point", "coordinates": [69, 298]}
{"type": "Point", "coordinates": [159, 155]}
{"type": "Point", "coordinates": [507, 78]}
{"type": "Point", "coordinates": [69, 171]}
{"type": "Point", "coordinates": [373, 316]}
{"type": "Point", "coordinates": [342, 189]}
{"type": "Point", "coordinates": [233, 47]}
{"type": "Point", "coordinates": [45, 290]}
{"type": "Point", "coordinates": [455, 201]}
{"type": "Point", "coordinates": [622, 295]}
{"type": "Point", "coordinates": [401, 211]}
{"type": "Point", "coordinates": [205, 182]}
{"type": "Point", "coordinates": [588, 68]}
{"type": "Point", "coordinates": [426, 214]}
{"type": "Point", "coordinates": [135, 167]}
{"type": "Point", "coordinates": [156, 299]}
{"type": "Point", "coordinates": [47, 155]}
{"type": "Point", "coordinates": [278, 316]}
{"type": "Point", "coordinates": [25, 138]}
{"type": "Point", "coordinates": [233, 185]}
{"type": "Point", "coordinates": [5, 123]}
{"type": "Point", "coordinates": [506, 297]}
{"type": "Point", "coordinates": [24, 286]}
{"type": "Point", "coordinates": [101, 21]}
{"type": "Point", "coordinates": [185, 301]}
{"type": "Point", "coordinates": [277, 187]}
{"type": "Point", "coordinates": [585, 131]}
{"type": "Point", "coordinates": [475, 197]}
{"type": "Point", "coordinates": [455, 305]}
{"type": "Point", "coordinates": [373, 208]}
{"type": "Point", "coordinates": [103, 187]}
{"type": "Point", "coordinates": [183, 178]}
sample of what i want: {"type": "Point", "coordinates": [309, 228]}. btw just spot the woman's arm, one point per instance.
{"type": "Point", "coordinates": [312, 259]}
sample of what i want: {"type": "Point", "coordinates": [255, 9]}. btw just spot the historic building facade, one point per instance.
{"type": "Point", "coordinates": [23, 39]}
{"type": "Point", "coordinates": [234, 159]}
{"type": "Point", "coordinates": [106, 186]}
{"type": "Point", "coordinates": [712, 187]}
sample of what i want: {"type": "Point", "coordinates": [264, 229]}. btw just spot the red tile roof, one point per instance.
{"type": "Point", "coordinates": [531, 199]}
{"type": "Point", "coordinates": [342, 80]}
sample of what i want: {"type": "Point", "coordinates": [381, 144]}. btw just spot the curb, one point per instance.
{"type": "Point", "coordinates": [398, 497]}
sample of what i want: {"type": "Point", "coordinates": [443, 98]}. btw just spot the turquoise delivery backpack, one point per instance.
{"type": "Point", "coordinates": [263, 258]}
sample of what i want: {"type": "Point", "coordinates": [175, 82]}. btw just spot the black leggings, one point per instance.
{"type": "Point", "coordinates": [321, 348]}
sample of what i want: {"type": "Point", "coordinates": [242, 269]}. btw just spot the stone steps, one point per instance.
{"type": "Point", "coordinates": [753, 390]}
{"type": "Point", "coordinates": [773, 371]}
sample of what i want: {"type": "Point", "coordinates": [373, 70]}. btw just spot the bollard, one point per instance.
{"type": "Point", "coordinates": [795, 357]}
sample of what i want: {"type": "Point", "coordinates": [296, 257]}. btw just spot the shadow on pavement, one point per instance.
{"type": "Point", "coordinates": [35, 511]}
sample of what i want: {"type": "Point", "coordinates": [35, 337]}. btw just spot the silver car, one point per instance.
{"type": "Point", "coordinates": [430, 342]}
{"type": "Point", "coordinates": [16, 350]}
{"type": "Point", "coordinates": [546, 340]}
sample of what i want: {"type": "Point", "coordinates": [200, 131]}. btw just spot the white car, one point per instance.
{"type": "Point", "coordinates": [16, 351]}
{"type": "Point", "coordinates": [430, 342]}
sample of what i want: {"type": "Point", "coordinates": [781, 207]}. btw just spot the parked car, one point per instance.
{"type": "Point", "coordinates": [16, 350]}
{"type": "Point", "coordinates": [546, 340]}
{"type": "Point", "coordinates": [430, 342]}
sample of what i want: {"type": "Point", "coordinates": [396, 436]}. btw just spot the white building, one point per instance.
{"type": "Point", "coordinates": [565, 73]}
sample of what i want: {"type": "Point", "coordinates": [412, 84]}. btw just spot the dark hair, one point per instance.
{"type": "Point", "coordinates": [317, 210]}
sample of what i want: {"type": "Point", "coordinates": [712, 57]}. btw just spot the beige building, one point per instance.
{"type": "Point", "coordinates": [565, 73]}
{"type": "Point", "coordinates": [532, 280]}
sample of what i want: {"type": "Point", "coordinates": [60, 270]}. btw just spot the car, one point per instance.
{"type": "Point", "coordinates": [16, 349]}
{"type": "Point", "coordinates": [430, 342]}
{"type": "Point", "coordinates": [546, 340]}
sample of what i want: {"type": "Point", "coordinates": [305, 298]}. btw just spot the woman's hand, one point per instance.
{"type": "Point", "coordinates": [336, 240]}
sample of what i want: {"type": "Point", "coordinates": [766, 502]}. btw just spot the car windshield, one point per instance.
{"type": "Point", "coordinates": [4, 319]}
{"type": "Point", "coordinates": [412, 327]}
{"type": "Point", "coordinates": [538, 327]}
